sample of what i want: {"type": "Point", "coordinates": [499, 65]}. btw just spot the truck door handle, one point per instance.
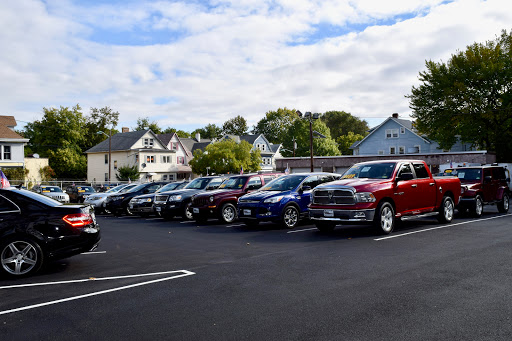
{"type": "Point", "coordinates": [432, 184]}
{"type": "Point", "coordinates": [414, 185]}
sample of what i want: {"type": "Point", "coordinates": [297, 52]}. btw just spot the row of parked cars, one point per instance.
{"type": "Point", "coordinates": [34, 227]}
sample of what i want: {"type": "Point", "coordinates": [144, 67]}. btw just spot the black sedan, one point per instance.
{"type": "Point", "coordinates": [35, 229]}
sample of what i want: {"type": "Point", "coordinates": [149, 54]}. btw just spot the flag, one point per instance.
{"type": "Point", "coordinates": [3, 179]}
{"type": "Point", "coordinates": [287, 170]}
{"type": "Point", "coordinates": [129, 181]}
{"type": "Point", "coordinates": [242, 170]}
{"type": "Point", "coordinates": [451, 165]}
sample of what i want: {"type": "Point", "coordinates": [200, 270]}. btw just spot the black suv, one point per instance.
{"type": "Point", "coordinates": [143, 204]}
{"type": "Point", "coordinates": [119, 203]}
{"type": "Point", "coordinates": [35, 229]}
{"type": "Point", "coordinates": [483, 185]}
{"type": "Point", "coordinates": [79, 193]}
{"type": "Point", "coordinates": [173, 203]}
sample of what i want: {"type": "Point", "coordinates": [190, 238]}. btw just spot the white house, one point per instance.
{"type": "Point", "coordinates": [12, 145]}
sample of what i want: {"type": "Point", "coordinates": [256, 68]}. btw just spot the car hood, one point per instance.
{"type": "Point", "coordinates": [220, 192]}
{"type": "Point", "coordinates": [261, 195]}
{"type": "Point", "coordinates": [472, 185]}
{"type": "Point", "coordinates": [150, 195]}
{"type": "Point", "coordinates": [183, 192]}
{"type": "Point", "coordinates": [102, 195]}
{"type": "Point", "coordinates": [355, 182]}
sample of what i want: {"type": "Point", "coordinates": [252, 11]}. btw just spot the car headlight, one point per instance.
{"type": "Point", "coordinates": [145, 200]}
{"type": "Point", "coordinates": [273, 200]}
{"type": "Point", "coordinates": [463, 189]}
{"type": "Point", "coordinates": [365, 197]}
{"type": "Point", "coordinates": [117, 198]}
{"type": "Point", "coordinates": [175, 198]}
{"type": "Point", "coordinates": [211, 198]}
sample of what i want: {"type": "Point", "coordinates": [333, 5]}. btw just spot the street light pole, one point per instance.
{"type": "Point", "coordinates": [311, 141]}
{"type": "Point", "coordinates": [109, 151]}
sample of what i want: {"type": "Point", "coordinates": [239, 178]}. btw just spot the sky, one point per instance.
{"type": "Point", "coordinates": [185, 64]}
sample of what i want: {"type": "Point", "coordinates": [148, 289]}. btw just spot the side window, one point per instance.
{"type": "Point", "coordinates": [267, 179]}
{"type": "Point", "coordinates": [498, 173]}
{"type": "Point", "coordinates": [7, 206]}
{"type": "Point", "coordinates": [326, 178]}
{"type": "Point", "coordinates": [215, 183]}
{"type": "Point", "coordinates": [254, 183]}
{"type": "Point", "coordinates": [153, 188]}
{"type": "Point", "coordinates": [406, 168]}
{"type": "Point", "coordinates": [312, 181]}
{"type": "Point", "coordinates": [421, 171]}
{"type": "Point", "coordinates": [487, 172]}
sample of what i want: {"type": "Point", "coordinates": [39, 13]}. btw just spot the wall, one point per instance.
{"type": "Point", "coordinates": [34, 165]}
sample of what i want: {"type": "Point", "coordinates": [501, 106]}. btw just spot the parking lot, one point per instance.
{"type": "Point", "coordinates": [174, 280]}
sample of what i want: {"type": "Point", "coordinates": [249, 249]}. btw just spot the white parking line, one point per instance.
{"type": "Point", "coordinates": [295, 231]}
{"type": "Point", "coordinates": [184, 274]}
{"type": "Point", "coordinates": [441, 227]}
{"type": "Point", "coordinates": [154, 219]}
{"type": "Point", "coordinates": [92, 252]}
{"type": "Point", "coordinates": [188, 222]}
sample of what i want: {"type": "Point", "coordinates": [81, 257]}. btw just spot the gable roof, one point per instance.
{"type": "Point", "coordinates": [404, 123]}
{"type": "Point", "coordinates": [8, 121]}
{"type": "Point", "coordinates": [165, 138]}
{"type": "Point", "coordinates": [7, 124]}
{"type": "Point", "coordinates": [120, 141]}
{"type": "Point", "coordinates": [275, 147]}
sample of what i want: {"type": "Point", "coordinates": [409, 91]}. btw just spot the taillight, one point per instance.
{"type": "Point", "coordinates": [78, 219]}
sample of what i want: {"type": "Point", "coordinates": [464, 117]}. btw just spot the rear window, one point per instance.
{"type": "Point", "coordinates": [498, 173]}
{"type": "Point", "coordinates": [421, 171]}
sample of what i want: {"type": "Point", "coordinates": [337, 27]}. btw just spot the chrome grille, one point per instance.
{"type": "Point", "coordinates": [161, 198]}
{"type": "Point", "coordinates": [330, 196]}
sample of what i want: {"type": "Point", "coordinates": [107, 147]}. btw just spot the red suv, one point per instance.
{"type": "Point", "coordinates": [222, 203]}
{"type": "Point", "coordinates": [483, 185]}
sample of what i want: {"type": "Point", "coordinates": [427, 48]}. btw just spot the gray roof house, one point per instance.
{"type": "Point", "coordinates": [268, 151]}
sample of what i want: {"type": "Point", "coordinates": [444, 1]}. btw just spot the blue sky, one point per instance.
{"type": "Point", "coordinates": [185, 64]}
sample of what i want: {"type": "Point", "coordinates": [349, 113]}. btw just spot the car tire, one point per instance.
{"type": "Point", "coordinates": [479, 207]}
{"type": "Point", "coordinates": [323, 226]}
{"type": "Point", "coordinates": [20, 256]}
{"type": "Point", "coordinates": [128, 211]}
{"type": "Point", "coordinates": [384, 220]}
{"type": "Point", "coordinates": [504, 204]}
{"type": "Point", "coordinates": [187, 212]}
{"type": "Point", "coordinates": [291, 217]}
{"type": "Point", "coordinates": [446, 210]}
{"type": "Point", "coordinates": [228, 213]}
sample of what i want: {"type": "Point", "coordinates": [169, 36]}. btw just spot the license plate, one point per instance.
{"type": "Point", "coordinates": [158, 209]}
{"type": "Point", "coordinates": [329, 213]}
{"type": "Point", "coordinates": [195, 210]}
{"type": "Point", "coordinates": [131, 205]}
{"type": "Point", "coordinates": [247, 212]}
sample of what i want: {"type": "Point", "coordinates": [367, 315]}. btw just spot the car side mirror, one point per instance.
{"type": "Point", "coordinates": [305, 188]}
{"type": "Point", "coordinates": [405, 177]}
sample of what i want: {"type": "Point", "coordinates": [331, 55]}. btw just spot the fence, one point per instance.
{"type": "Point", "coordinates": [63, 184]}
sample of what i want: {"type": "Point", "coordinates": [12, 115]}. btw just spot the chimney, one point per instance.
{"type": "Point", "coordinates": [395, 115]}
{"type": "Point", "coordinates": [125, 129]}
{"type": "Point", "coordinates": [198, 137]}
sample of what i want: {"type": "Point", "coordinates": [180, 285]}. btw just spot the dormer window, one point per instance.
{"type": "Point", "coordinates": [402, 130]}
{"type": "Point", "coordinates": [147, 142]}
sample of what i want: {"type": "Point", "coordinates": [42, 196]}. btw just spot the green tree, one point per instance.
{"type": "Point", "coordinates": [225, 157]}
{"type": "Point", "coordinates": [105, 120]}
{"type": "Point", "coordinates": [275, 124]}
{"type": "Point", "coordinates": [235, 126]}
{"type": "Point", "coordinates": [143, 123]}
{"type": "Point", "coordinates": [68, 162]}
{"type": "Point", "coordinates": [345, 141]}
{"type": "Point", "coordinates": [125, 173]}
{"type": "Point", "coordinates": [210, 131]}
{"type": "Point", "coordinates": [47, 173]}
{"type": "Point", "coordinates": [300, 132]}
{"type": "Point", "coordinates": [340, 123]}
{"type": "Point", "coordinates": [469, 96]}
{"type": "Point", "coordinates": [180, 133]}
{"type": "Point", "coordinates": [15, 173]}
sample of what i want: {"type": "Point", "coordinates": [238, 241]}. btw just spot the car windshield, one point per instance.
{"type": "Point", "coordinates": [284, 183]}
{"type": "Point", "coordinates": [371, 171]}
{"type": "Point", "coordinates": [126, 189]}
{"type": "Point", "coordinates": [115, 189]}
{"type": "Point", "coordinates": [469, 174]}
{"type": "Point", "coordinates": [170, 187]}
{"type": "Point", "coordinates": [199, 183]}
{"type": "Point", "coordinates": [236, 182]}
{"type": "Point", "coordinates": [51, 189]}
{"type": "Point", "coordinates": [85, 189]}
{"type": "Point", "coordinates": [137, 188]}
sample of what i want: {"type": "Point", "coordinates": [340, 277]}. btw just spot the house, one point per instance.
{"type": "Point", "coordinates": [12, 145]}
{"type": "Point", "coordinates": [143, 148]}
{"type": "Point", "coordinates": [398, 136]}
{"type": "Point", "coordinates": [269, 152]}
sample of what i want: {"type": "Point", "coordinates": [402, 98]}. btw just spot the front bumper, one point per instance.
{"type": "Point", "coordinates": [170, 208]}
{"type": "Point", "coordinates": [259, 211]}
{"type": "Point", "coordinates": [365, 215]}
{"type": "Point", "coordinates": [142, 208]}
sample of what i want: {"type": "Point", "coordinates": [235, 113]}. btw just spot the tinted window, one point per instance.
{"type": "Point", "coordinates": [254, 183]}
{"type": "Point", "coordinates": [312, 181]}
{"type": "Point", "coordinates": [153, 188]}
{"type": "Point", "coordinates": [499, 173]}
{"type": "Point", "coordinates": [327, 178]}
{"type": "Point", "coordinates": [6, 205]}
{"type": "Point", "coordinates": [199, 183]}
{"type": "Point", "coordinates": [406, 168]}
{"type": "Point", "coordinates": [215, 183]}
{"type": "Point", "coordinates": [487, 172]}
{"type": "Point", "coordinates": [284, 183]}
{"type": "Point", "coordinates": [469, 174]}
{"type": "Point", "coordinates": [267, 179]}
{"type": "Point", "coordinates": [421, 171]}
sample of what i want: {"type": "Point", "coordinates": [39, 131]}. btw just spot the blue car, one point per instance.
{"type": "Point", "coordinates": [284, 200]}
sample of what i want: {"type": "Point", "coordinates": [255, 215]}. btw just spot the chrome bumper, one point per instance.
{"type": "Point", "coordinates": [341, 215]}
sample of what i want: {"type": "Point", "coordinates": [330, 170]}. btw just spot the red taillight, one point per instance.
{"type": "Point", "coordinates": [78, 219]}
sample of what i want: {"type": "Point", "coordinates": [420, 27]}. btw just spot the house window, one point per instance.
{"type": "Point", "coordinates": [171, 177]}
{"type": "Point", "coordinates": [401, 150]}
{"type": "Point", "coordinates": [148, 142]}
{"type": "Point", "coordinates": [381, 152]}
{"type": "Point", "coordinates": [106, 158]}
{"type": "Point", "coordinates": [7, 152]}
{"type": "Point", "coordinates": [106, 176]}
{"type": "Point", "coordinates": [391, 133]}
{"type": "Point", "coordinates": [150, 159]}
{"type": "Point", "coordinates": [166, 159]}
{"type": "Point", "coordinates": [115, 164]}
{"type": "Point", "coordinates": [164, 177]}
{"type": "Point", "coordinates": [136, 158]}
{"type": "Point", "coordinates": [174, 145]}
{"type": "Point", "coordinates": [418, 149]}
{"type": "Point", "coordinates": [392, 150]}
{"type": "Point", "coordinates": [262, 147]}
{"type": "Point", "coordinates": [181, 160]}
{"type": "Point", "coordinates": [402, 130]}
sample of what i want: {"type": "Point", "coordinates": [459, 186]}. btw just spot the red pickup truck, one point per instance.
{"type": "Point", "coordinates": [380, 192]}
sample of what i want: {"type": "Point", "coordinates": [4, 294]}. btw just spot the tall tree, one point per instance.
{"type": "Point", "coordinates": [345, 141]}
{"type": "Point", "coordinates": [180, 133]}
{"type": "Point", "coordinates": [235, 126]}
{"type": "Point", "coordinates": [341, 123]}
{"type": "Point", "coordinates": [469, 96]}
{"type": "Point", "coordinates": [275, 124]}
{"type": "Point", "coordinates": [225, 157]}
{"type": "Point", "coordinates": [299, 132]}
{"type": "Point", "coordinates": [104, 120]}
{"type": "Point", "coordinates": [143, 123]}
{"type": "Point", "coordinates": [210, 131]}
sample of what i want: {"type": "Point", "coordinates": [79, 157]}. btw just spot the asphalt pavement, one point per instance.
{"type": "Point", "coordinates": [173, 280]}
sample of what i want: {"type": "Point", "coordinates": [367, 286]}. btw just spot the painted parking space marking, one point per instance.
{"type": "Point", "coordinates": [441, 227]}
{"type": "Point", "coordinates": [183, 273]}
{"type": "Point", "coordinates": [93, 252]}
{"type": "Point", "coordinates": [295, 231]}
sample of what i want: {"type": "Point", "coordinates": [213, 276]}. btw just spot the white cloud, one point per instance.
{"type": "Point", "coordinates": [230, 58]}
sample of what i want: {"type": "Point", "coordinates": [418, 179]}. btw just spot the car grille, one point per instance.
{"type": "Point", "coordinates": [59, 197]}
{"type": "Point", "coordinates": [161, 198]}
{"type": "Point", "coordinates": [329, 196]}
{"type": "Point", "coordinates": [202, 201]}
{"type": "Point", "coordinates": [249, 200]}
